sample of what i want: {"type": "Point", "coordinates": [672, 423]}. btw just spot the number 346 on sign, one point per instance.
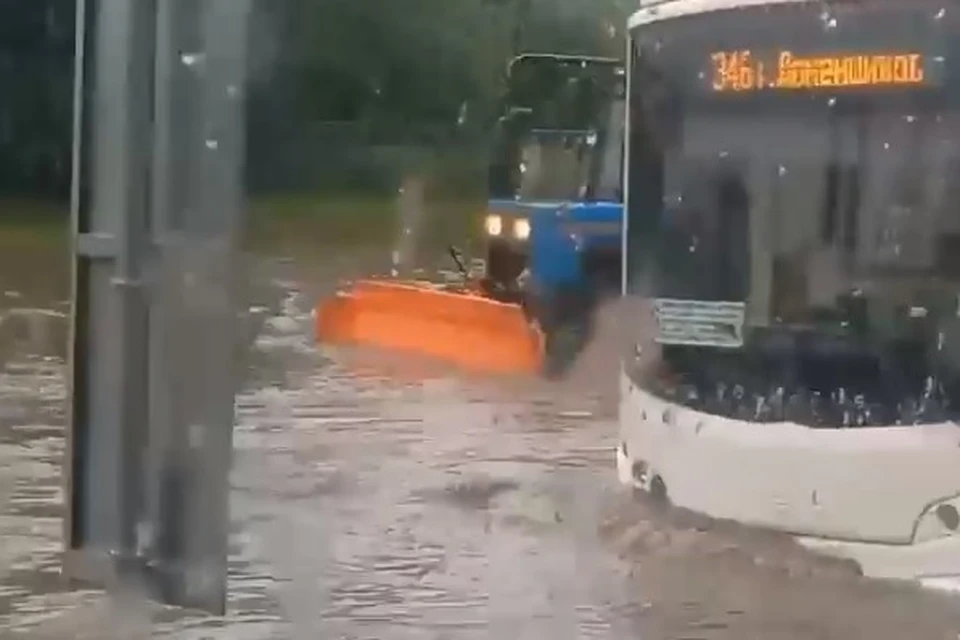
{"type": "Point", "coordinates": [737, 71]}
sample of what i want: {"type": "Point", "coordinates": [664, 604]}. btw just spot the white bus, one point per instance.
{"type": "Point", "coordinates": [792, 262]}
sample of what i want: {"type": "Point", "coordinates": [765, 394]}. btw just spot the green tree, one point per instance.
{"type": "Point", "coordinates": [417, 62]}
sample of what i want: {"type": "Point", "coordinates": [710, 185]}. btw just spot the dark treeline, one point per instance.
{"type": "Point", "coordinates": [347, 89]}
{"type": "Point", "coordinates": [36, 73]}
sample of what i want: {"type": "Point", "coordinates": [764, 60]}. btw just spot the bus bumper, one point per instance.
{"type": "Point", "coordinates": [887, 498]}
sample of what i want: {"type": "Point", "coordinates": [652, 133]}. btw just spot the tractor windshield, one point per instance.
{"type": "Point", "coordinates": [792, 211]}
{"type": "Point", "coordinates": [562, 136]}
{"type": "Point", "coordinates": [555, 165]}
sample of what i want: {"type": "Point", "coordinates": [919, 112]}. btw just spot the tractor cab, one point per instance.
{"type": "Point", "coordinates": [555, 173]}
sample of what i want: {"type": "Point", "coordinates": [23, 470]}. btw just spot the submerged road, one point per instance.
{"type": "Point", "coordinates": [379, 498]}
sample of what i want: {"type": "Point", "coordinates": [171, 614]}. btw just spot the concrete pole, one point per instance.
{"type": "Point", "coordinates": [157, 200]}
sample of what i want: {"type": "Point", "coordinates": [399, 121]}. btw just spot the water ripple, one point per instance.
{"type": "Point", "coordinates": [379, 498]}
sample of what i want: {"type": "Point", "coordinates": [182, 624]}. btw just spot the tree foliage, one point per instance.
{"type": "Point", "coordinates": [416, 62]}
{"type": "Point", "coordinates": [395, 70]}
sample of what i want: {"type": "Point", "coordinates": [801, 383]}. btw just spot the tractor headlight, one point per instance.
{"type": "Point", "coordinates": [493, 225]}
{"type": "Point", "coordinates": [521, 229]}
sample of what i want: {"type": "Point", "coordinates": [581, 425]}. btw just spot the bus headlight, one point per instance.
{"type": "Point", "coordinates": [521, 229]}
{"type": "Point", "coordinates": [493, 225]}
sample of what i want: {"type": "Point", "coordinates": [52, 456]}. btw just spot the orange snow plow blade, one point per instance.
{"type": "Point", "coordinates": [463, 328]}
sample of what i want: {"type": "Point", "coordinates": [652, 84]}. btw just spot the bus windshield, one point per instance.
{"type": "Point", "coordinates": [795, 219]}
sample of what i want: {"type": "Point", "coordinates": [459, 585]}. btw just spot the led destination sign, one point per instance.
{"type": "Point", "coordinates": [738, 71]}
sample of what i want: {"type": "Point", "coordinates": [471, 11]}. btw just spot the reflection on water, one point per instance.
{"type": "Point", "coordinates": [377, 498]}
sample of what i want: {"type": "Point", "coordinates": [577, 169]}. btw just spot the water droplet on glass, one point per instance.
{"type": "Point", "coordinates": [145, 536]}
{"type": "Point", "coordinates": [724, 154]}
{"type": "Point", "coordinates": [212, 144]}
{"type": "Point", "coordinates": [831, 101]}
{"type": "Point", "coordinates": [195, 433]}
{"type": "Point", "coordinates": [886, 145]}
{"type": "Point", "coordinates": [232, 91]}
{"type": "Point", "coordinates": [782, 170]}
{"type": "Point", "coordinates": [192, 59]}
{"type": "Point", "coordinates": [831, 23]}
{"type": "Point", "coordinates": [910, 118]}
{"type": "Point", "coordinates": [939, 16]}
{"type": "Point", "coordinates": [523, 167]}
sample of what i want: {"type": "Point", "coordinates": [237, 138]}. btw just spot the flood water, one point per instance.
{"type": "Point", "coordinates": [377, 497]}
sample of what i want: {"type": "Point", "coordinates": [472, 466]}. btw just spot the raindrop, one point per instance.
{"type": "Point", "coordinates": [886, 145]}
{"type": "Point", "coordinates": [192, 59]}
{"type": "Point", "coordinates": [195, 435]}
{"type": "Point", "coordinates": [724, 154]}
{"type": "Point", "coordinates": [523, 167]}
{"type": "Point", "coordinates": [591, 139]}
{"type": "Point", "coordinates": [232, 91]}
{"type": "Point", "coordinates": [910, 118]}
{"type": "Point", "coordinates": [939, 16]}
{"type": "Point", "coordinates": [831, 101]}
{"type": "Point", "coordinates": [145, 536]}
{"type": "Point", "coordinates": [212, 144]}
{"type": "Point", "coordinates": [782, 170]}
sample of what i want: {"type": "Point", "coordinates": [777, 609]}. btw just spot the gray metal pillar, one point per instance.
{"type": "Point", "coordinates": [157, 204]}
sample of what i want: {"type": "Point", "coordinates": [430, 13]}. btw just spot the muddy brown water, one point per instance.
{"type": "Point", "coordinates": [376, 496]}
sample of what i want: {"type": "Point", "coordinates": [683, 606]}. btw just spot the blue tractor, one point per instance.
{"type": "Point", "coordinates": [553, 229]}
